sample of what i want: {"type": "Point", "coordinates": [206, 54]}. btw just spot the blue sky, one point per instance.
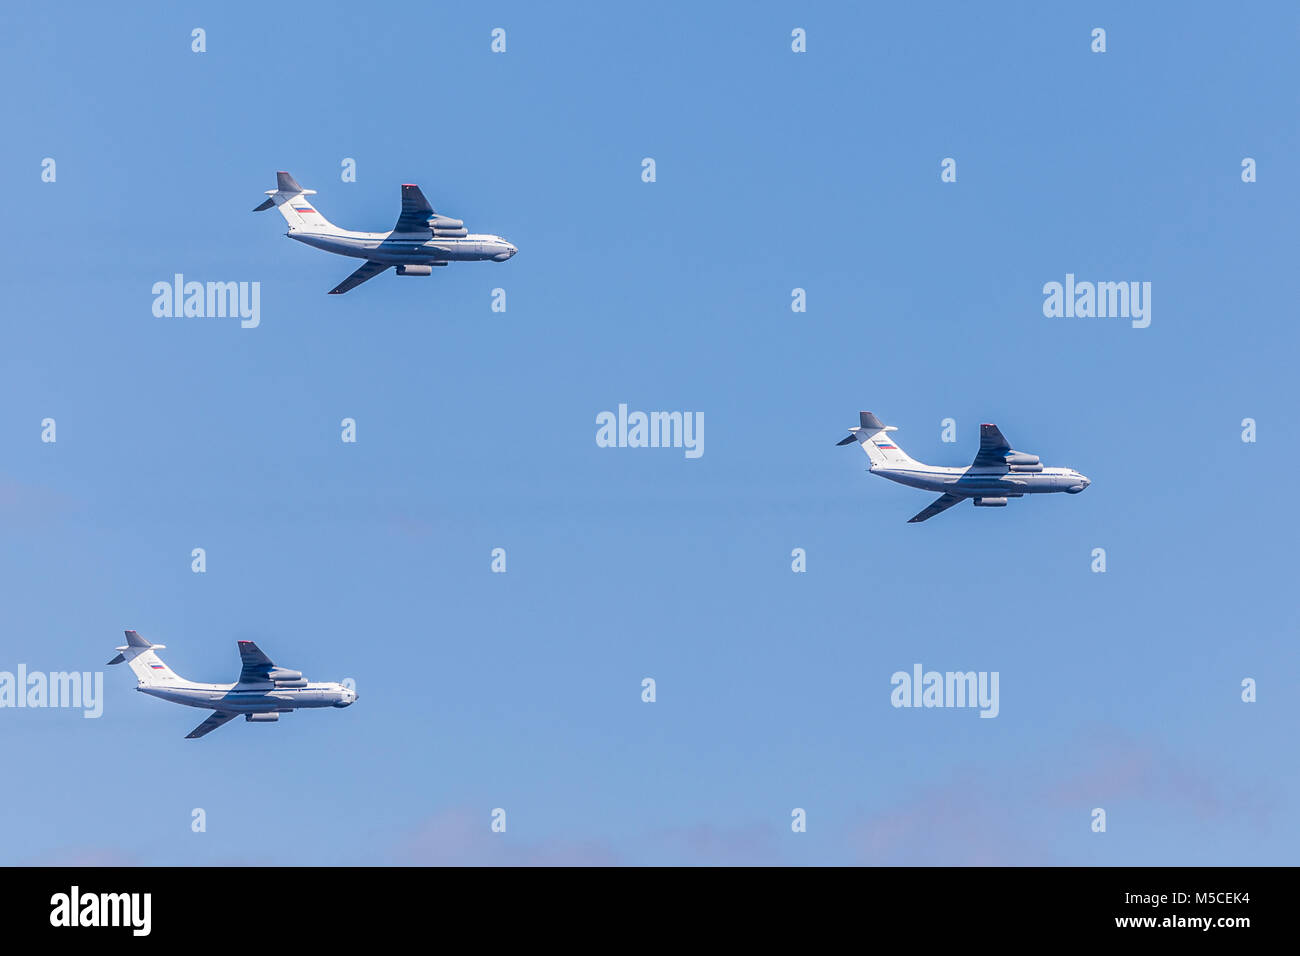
{"type": "Point", "coordinates": [476, 430]}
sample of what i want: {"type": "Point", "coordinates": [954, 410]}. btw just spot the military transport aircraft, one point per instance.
{"type": "Point", "coordinates": [999, 472]}
{"type": "Point", "coordinates": [262, 693]}
{"type": "Point", "coordinates": [421, 239]}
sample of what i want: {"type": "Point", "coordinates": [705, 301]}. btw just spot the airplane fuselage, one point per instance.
{"type": "Point", "coordinates": [406, 248]}
{"type": "Point", "coordinates": [251, 698]}
{"type": "Point", "coordinates": [973, 482]}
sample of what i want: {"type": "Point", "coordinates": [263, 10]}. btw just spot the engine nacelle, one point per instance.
{"type": "Point", "coordinates": [409, 270]}
{"type": "Point", "coordinates": [446, 222]}
{"type": "Point", "coordinates": [990, 502]}
{"type": "Point", "coordinates": [278, 674]}
{"type": "Point", "coordinates": [440, 233]}
{"type": "Point", "coordinates": [1033, 469]}
{"type": "Point", "coordinates": [291, 683]}
{"type": "Point", "coordinates": [261, 718]}
{"type": "Point", "coordinates": [1020, 458]}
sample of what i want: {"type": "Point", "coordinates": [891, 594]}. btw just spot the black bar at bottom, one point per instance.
{"type": "Point", "coordinates": [375, 905]}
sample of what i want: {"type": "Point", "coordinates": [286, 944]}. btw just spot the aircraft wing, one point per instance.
{"type": "Point", "coordinates": [994, 447]}
{"type": "Point", "coordinates": [942, 503]}
{"type": "Point", "coordinates": [257, 666]}
{"type": "Point", "coordinates": [212, 723]}
{"type": "Point", "coordinates": [367, 271]}
{"type": "Point", "coordinates": [416, 211]}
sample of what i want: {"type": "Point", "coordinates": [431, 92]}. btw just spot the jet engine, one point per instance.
{"type": "Point", "coordinates": [283, 673]}
{"type": "Point", "coordinates": [261, 718]}
{"type": "Point", "coordinates": [409, 270]}
{"type": "Point", "coordinates": [1019, 461]}
{"type": "Point", "coordinates": [990, 502]}
{"type": "Point", "coordinates": [445, 227]}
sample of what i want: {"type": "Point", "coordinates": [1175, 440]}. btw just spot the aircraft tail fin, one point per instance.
{"type": "Point", "coordinates": [142, 657]}
{"type": "Point", "coordinates": [291, 200]}
{"type": "Point", "coordinates": [873, 435]}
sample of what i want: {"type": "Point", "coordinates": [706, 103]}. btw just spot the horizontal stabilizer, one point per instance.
{"type": "Point", "coordinates": [291, 199]}
{"type": "Point", "coordinates": [142, 657]}
{"type": "Point", "coordinates": [873, 435]}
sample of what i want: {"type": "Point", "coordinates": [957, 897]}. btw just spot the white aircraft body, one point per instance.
{"type": "Point", "coordinates": [421, 239]}
{"type": "Point", "coordinates": [262, 693]}
{"type": "Point", "coordinates": [998, 473]}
